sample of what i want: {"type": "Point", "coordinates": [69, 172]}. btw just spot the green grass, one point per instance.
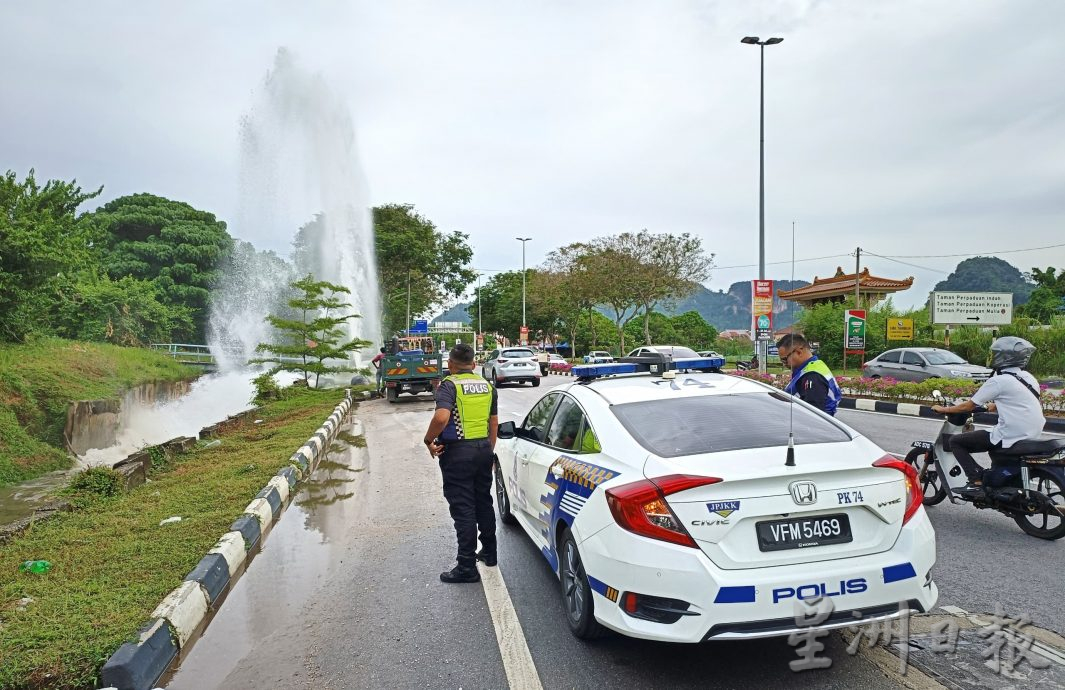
{"type": "Point", "coordinates": [38, 380]}
{"type": "Point", "coordinates": [111, 561]}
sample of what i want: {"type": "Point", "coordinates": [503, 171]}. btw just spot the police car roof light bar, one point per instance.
{"type": "Point", "coordinates": [588, 372]}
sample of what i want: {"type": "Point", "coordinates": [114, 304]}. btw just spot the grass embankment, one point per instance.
{"type": "Point", "coordinates": [112, 562]}
{"type": "Point", "coordinates": [40, 379]}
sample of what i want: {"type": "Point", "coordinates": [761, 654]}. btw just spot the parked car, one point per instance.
{"type": "Point", "coordinates": [512, 365]}
{"type": "Point", "coordinates": [921, 364]}
{"type": "Point", "coordinates": [598, 357]}
{"type": "Point", "coordinates": [658, 355]}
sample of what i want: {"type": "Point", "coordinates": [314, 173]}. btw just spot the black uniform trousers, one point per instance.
{"type": "Point", "coordinates": [466, 467]}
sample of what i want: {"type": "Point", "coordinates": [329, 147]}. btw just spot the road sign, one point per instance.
{"type": "Point", "coordinates": [854, 335]}
{"type": "Point", "coordinates": [900, 329]}
{"type": "Point", "coordinates": [762, 309]}
{"type": "Point", "coordinates": [524, 339]}
{"type": "Point", "coordinates": [972, 308]}
{"type": "Point", "coordinates": [421, 327]}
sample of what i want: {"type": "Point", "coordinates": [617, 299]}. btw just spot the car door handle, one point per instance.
{"type": "Point", "coordinates": [524, 459]}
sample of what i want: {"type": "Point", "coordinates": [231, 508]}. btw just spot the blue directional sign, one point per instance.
{"type": "Point", "coordinates": [421, 327]}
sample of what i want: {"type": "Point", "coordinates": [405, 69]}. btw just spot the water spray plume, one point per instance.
{"type": "Point", "coordinates": [301, 182]}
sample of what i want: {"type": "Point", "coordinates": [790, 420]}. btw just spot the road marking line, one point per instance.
{"type": "Point", "coordinates": [517, 660]}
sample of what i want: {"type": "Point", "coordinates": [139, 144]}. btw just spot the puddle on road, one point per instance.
{"type": "Point", "coordinates": [20, 500]}
{"type": "Point", "coordinates": [298, 554]}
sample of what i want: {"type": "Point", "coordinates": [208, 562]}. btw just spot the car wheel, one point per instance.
{"type": "Point", "coordinates": [503, 499]}
{"type": "Point", "coordinates": [535, 383]}
{"type": "Point", "coordinates": [576, 593]}
{"type": "Point", "coordinates": [495, 379]}
{"type": "Point", "coordinates": [484, 373]}
{"type": "Point", "coordinates": [1049, 521]}
{"type": "Point", "coordinates": [875, 376]}
{"type": "Point", "coordinates": [931, 483]}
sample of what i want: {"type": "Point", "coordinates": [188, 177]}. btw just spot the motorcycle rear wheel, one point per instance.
{"type": "Point", "coordinates": [1050, 523]}
{"type": "Point", "coordinates": [932, 484]}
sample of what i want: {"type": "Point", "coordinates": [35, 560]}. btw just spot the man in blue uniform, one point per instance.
{"type": "Point", "coordinates": [462, 434]}
{"type": "Point", "coordinates": [811, 378]}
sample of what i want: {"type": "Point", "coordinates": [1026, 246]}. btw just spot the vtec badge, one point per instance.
{"type": "Point", "coordinates": [822, 589]}
{"type": "Point", "coordinates": [723, 508]}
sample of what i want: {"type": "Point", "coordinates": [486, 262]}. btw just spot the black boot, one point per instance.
{"type": "Point", "coordinates": [488, 559]}
{"type": "Point", "coordinates": [460, 574]}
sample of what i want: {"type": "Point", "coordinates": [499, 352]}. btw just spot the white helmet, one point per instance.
{"type": "Point", "coordinates": [1011, 351]}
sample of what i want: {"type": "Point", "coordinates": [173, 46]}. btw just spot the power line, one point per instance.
{"type": "Point", "coordinates": [951, 256]}
{"type": "Point", "coordinates": [906, 263]}
{"type": "Point", "coordinates": [778, 263]}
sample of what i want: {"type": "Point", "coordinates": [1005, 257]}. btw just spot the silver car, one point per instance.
{"type": "Point", "coordinates": [511, 365]}
{"type": "Point", "coordinates": [921, 364]}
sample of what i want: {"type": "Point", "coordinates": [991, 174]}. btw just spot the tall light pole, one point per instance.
{"type": "Point", "coordinates": [763, 350]}
{"type": "Point", "coordinates": [479, 331]}
{"type": "Point", "coordinates": [523, 240]}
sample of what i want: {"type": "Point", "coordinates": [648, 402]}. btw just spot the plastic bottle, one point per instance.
{"type": "Point", "coordinates": [38, 567]}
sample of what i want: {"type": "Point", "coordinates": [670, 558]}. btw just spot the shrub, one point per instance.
{"type": "Point", "coordinates": [98, 481]}
{"type": "Point", "coordinates": [266, 388]}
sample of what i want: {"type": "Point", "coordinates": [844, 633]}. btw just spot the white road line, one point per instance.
{"type": "Point", "coordinates": [517, 660]}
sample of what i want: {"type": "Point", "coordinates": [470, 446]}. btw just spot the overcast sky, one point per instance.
{"type": "Point", "coordinates": [909, 128]}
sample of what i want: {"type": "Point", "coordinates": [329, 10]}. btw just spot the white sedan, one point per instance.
{"type": "Point", "coordinates": [665, 505]}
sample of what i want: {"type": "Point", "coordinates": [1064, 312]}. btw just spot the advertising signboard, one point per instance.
{"type": "Point", "coordinates": [972, 308]}
{"type": "Point", "coordinates": [524, 340]}
{"type": "Point", "coordinates": [900, 329]}
{"type": "Point", "coordinates": [762, 309]}
{"type": "Point", "coordinates": [854, 333]}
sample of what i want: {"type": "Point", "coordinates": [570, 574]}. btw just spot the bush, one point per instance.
{"type": "Point", "coordinates": [266, 388]}
{"type": "Point", "coordinates": [98, 481]}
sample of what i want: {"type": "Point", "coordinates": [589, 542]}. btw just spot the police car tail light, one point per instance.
{"type": "Point", "coordinates": [914, 494]}
{"type": "Point", "coordinates": [641, 508]}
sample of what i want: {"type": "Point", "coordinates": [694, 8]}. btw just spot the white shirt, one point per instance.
{"type": "Point", "coordinates": [1020, 414]}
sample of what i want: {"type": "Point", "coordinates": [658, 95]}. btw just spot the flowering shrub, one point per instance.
{"type": "Point", "coordinates": [907, 391]}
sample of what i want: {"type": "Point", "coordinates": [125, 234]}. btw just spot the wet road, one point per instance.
{"type": "Point", "coordinates": [345, 593]}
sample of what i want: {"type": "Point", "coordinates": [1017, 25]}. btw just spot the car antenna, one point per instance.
{"type": "Point", "coordinates": [790, 461]}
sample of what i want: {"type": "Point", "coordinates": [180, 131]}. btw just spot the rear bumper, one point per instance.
{"type": "Point", "coordinates": [756, 602]}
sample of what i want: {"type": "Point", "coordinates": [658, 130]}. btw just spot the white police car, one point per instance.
{"type": "Point", "coordinates": [664, 504]}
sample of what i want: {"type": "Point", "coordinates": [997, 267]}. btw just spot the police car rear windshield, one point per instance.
{"type": "Point", "coordinates": [716, 423]}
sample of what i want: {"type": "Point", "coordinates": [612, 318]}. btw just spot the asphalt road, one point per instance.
{"type": "Point", "coordinates": [345, 593]}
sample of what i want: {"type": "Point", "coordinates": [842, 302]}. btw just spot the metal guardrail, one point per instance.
{"type": "Point", "coordinates": [201, 355]}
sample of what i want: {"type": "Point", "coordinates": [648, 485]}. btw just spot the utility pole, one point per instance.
{"type": "Point", "coordinates": [523, 240]}
{"type": "Point", "coordinates": [857, 278]}
{"type": "Point", "coordinates": [479, 331]}
{"type": "Point", "coordinates": [407, 328]}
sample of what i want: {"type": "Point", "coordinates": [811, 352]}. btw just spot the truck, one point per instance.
{"type": "Point", "coordinates": [411, 371]}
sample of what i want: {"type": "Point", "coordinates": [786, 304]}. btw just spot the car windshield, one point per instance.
{"type": "Point", "coordinates": [943, 357]}
{"type": "Point", "coordinates": [715, 423]}
{"type": "Point", "coordinates": [678, 352]}
{"type": "Point", "coordinates": [516, 354]}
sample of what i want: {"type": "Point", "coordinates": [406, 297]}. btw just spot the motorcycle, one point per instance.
{"type": "Point", "coordinates": [1025, 481]}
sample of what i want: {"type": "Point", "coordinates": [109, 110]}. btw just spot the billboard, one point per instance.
{"type": "Point", "coordinates": [854, 333]}
{"type": "Point", "coordinates": [900, 329]}
{"type": "Point", "coordinates": [972, 308]}
{"type": "Point", "coordinates": [762, 309]}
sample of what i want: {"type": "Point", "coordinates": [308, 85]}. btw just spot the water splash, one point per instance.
{"type": "Point", "coordinates": [299, 171]}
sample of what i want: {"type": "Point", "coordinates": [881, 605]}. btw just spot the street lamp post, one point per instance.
{"type": "Point", "coordinates": [763, 349]}
{"type": "Point", "coordinates": [479, 331]}
{"type": "Point", "coordinates": [523, 240]}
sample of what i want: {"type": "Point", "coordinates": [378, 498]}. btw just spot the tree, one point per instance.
{"type": "Point", "coordinates": [611, 273]}
{"type": "Point", "coordinates": [410, 247]}
{"type": "Point", "coordinates": [691, 329]}
{"type": "Point", "coordinates": [1048, 298]}
{"type": "Point", "coordinates": [175, 246]}
{"type": "Point", "coordinates": [316, 336]}
{"type": "Point", "coordinates": [658, 325]}
{"type": "Point", "coordinates": [43, 243]}
{"type": "Point", "coordinates": [669, 267]}
{"type": "Point", "coordinates": [123, 312]}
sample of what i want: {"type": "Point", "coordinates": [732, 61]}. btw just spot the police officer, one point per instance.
{"type": "Point", "coordinates": [811, 379]}
{"type": "Point", "coordinates": [462, 434]}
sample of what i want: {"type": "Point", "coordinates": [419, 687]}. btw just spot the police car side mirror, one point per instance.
{"type": "Point", "coordinates": [506, 430]}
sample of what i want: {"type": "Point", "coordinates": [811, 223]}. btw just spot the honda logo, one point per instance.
{"type": "Point", "coordinates": [803, 493]}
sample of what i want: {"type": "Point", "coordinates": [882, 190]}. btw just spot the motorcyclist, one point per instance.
{"type": "Point", "coordinates": [1013, 393]}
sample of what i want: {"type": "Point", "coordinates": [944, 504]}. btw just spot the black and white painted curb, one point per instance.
{"type": "Point", "coordinates": [138, 665]}
{"type": "Point", "coordinates": [1055, 425]}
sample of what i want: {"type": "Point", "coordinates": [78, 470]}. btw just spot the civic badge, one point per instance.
{"type": "Point", "coordinates": [803, 493]}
